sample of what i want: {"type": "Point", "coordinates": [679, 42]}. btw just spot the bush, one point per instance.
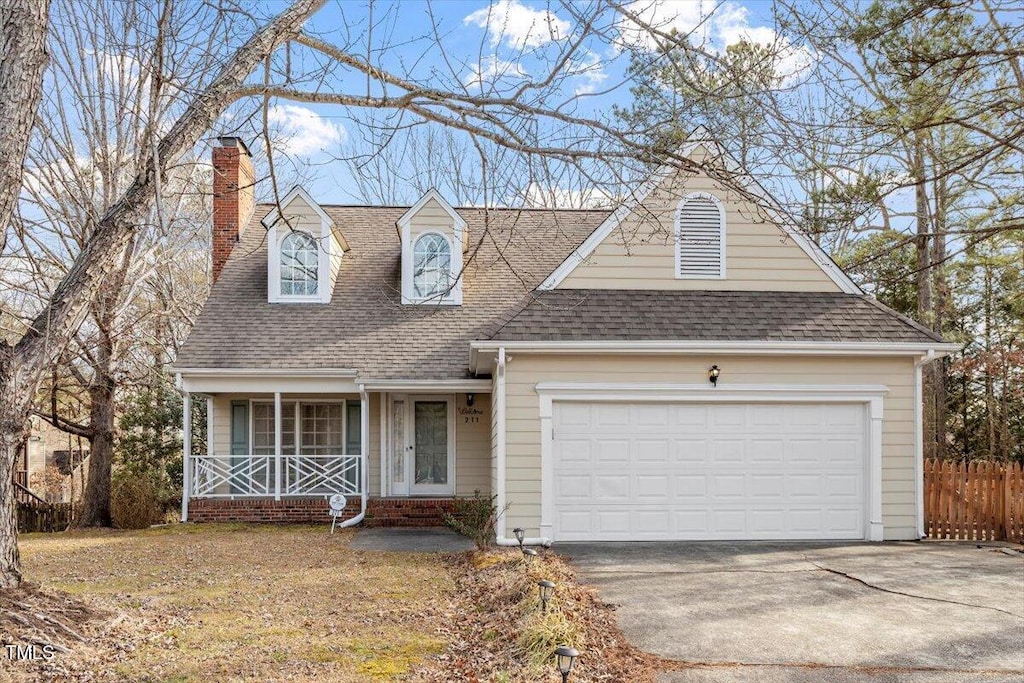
{"type": "Point", "coordinates": [475, 518]}
{"type": "Point", "coordinates": [134, 502]}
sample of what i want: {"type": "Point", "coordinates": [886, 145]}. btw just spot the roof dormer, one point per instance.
{"type": "Point", "coordinates": [433, 238]}
{"type": "Point", "coordinates": [304, 250]}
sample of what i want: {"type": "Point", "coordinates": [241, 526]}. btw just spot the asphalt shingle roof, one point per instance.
{"type": "Point", "coordinates": [597, 314]}
{"type": "Point", "coordinates": [366, 328]}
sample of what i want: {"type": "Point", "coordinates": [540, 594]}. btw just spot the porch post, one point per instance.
{"type": "Point", "coordinates": [277, 445]}
{"type": "Point", "coordinates": [364, 445]}
{"type": "Point", "coordinates": [186, 456]}
{"type": "Point", "coordinates": [209, 426]}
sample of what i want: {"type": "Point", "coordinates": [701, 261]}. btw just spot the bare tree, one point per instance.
{"type": "Point", "coordinates": [26, 362]}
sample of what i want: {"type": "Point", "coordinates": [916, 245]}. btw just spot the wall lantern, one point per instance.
{"type": "Point", "coordinates": [565, 657]}
{"type": "Point", "coordinates": [547, 589]}
{"type": "Point", "coordinates": [469, 399]}
{"type": "Point", "coordinates": [529, 554]}
{"type": "Point", "coordinates": [713, 374]}
{"type": "Point", "coordinates": [520, 533]}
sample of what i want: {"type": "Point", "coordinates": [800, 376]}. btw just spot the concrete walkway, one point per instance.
{"type": "Point", "coordinates": [429, 540]}
{"type": "Point", "coordinates": [817, 613]}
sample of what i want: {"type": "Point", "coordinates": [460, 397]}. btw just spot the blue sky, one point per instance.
{"type": "Point", "coordinates": [483, 47]}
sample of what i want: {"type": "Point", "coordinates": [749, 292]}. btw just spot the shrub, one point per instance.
{"type": "Point", "coordinates": [475, 518]}
{"type": "Point", "coordinates": [134, 502]}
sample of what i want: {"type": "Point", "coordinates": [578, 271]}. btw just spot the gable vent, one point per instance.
{"type": "Point", "coordinates": [700, 236]}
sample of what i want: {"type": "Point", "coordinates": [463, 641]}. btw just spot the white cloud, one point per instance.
{"type": "Point", "coordinates": [643, 19]}
{"type": "Point", "coordinates": [591, 74]}
{"type": "Point", "coordinates": [712, 26]}
{"type": "Point", "coordinates": [517, 25]}
{"type": "Point", "coordinates": [491, 70]}
{"type": "Point", "coordinates": [538, 196]}
{"type": "Point", "coordinates": [791, 61]}
{"type": "Point", "coordinates": [301, 131]}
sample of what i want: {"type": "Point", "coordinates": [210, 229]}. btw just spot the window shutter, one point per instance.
{"type": "Point", "coordinates": [699, 240]}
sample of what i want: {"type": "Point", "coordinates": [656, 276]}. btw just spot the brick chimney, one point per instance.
{"type": "Point", "coordinates": [233, 193]}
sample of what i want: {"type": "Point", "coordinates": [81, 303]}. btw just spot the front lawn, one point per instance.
{"type": "Point", "coordinates": [238, 602]}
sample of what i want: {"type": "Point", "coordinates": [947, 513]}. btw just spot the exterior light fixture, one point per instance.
{"type": "Point", "coordinates": [713, 374]}
{"type": "Point", "coordinates": [469, 399]}
{"type": "Point", "coordinates": [565, 658]}
{"type": "Point", "coordinates": [547, 589]}
{"type": "Point", "coordinates": [520, 534]}
{"type": "Point", "coordinates": [529, 554]}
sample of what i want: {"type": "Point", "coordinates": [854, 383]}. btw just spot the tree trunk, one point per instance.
{"type": "Point", "coordinates": [923, 283]}
{"type": "Point", "coordinates": [941, 310]}
{"type": "Point", "coordinates": [12, 434]}
{"type": "Point", "coordinates": [22, 368]}
{"type": "Point", "coordinates": [102, 415]}
{"type": "Point", "coordinates": [22, 63]}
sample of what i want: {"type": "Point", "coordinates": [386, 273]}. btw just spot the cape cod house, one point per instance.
{"type": "Point", "coordinates": [686, 366]}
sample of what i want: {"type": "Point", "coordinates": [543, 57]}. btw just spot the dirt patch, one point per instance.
{"type": "Point", "coordinates": [498, 631]}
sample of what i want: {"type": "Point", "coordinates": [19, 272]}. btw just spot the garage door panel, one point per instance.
{"type": "Point", "coordinates": [651, 451]}
{"type": "Point", "coordinates": [611, 452]}
{"type": "Point", "coordinates": [725, 451]}
{"type": "Point", "coordinates": [683, 471]}
{"type": "Point", "coordinates": [692, 451]}
{"type": "Point", "coordinates": [612, 489]}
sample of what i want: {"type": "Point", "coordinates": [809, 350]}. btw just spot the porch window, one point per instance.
{"type": "Point", "coordinates": [263, 428]}
{"type": "Point", "coordinates": [300, 265]}
{"type": "Point", "coordinates": [322, 429]}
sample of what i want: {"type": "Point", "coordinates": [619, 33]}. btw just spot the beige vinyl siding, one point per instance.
{"type": "Point", "coordinates": [640, 252]}
{"type": "Point", "coordinates": [473, 445]}
{"type": "Point", "coordinates": [523, 474]}
{"type": "Point", "coordinates": [433, 218]}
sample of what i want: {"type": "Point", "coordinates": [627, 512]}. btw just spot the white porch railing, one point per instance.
{"type": "Point", "coordinates": [227, 476]}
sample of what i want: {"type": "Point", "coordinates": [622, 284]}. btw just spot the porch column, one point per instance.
{"type": "Point", "coordinates": [277, 445]}
{"type": "Point", "coordinates": [186, 456]}
{"type": "Point", "coordinates": [209, 426]}
{"type": "Point", "coordinates": [364, 445]}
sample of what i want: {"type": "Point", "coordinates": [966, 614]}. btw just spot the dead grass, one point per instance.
{"type": "Point", "coordinates": [229, 603]}
{"type": "Point", "coordinates": [501, 635]}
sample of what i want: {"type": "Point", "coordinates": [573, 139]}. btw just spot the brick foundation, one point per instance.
{"type": "Point", "coordinates": [380, 512]}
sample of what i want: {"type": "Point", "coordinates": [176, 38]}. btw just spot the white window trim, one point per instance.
{"type": "Point", "coordinates": [278, 229]}
{"type": "Point", "coordinates": [409, 488]}
{"type": "Point", "coordinates": [299, 402]}
{"type": "Point", "coordinates": [448, 296]}
{"type": "Point", "coordinates": [454, 233]}
{"type": "Point", "coordinates": [871, 396]}
{"type": "Point", "coordinates": [319, 269]}
{"type": "Point", "coordinates": [721, 236]}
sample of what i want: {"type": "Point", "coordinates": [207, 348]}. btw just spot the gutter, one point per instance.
{"type": "Point", "coordinates": [717, 347]}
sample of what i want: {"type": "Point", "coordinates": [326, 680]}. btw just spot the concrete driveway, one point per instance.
{"type": "Point", "coordinates": [809, 613]}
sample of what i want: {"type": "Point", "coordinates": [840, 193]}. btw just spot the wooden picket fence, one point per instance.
{"type": "Point", "coordinates": [35, 514]}
{"type": "Point", "coordinates": [974, 501]}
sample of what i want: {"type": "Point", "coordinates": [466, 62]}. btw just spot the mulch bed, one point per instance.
{"type": "Point", "coordinates": [499, 634]}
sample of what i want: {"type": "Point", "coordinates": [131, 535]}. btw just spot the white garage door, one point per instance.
{"type": "Point", "coordinates": [662, 471]}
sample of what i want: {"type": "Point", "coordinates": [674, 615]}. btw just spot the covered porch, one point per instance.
{"type": "Point", "coordinates": [277, 446]}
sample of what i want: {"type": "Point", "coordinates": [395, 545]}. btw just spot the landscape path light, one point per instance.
{"type": "Point", "coordinates": [529, 554]}
{"type": "Point", "coordinates": [565, 658]}
{"type": "Point", "coordinates": [520, 534]}
{"type": "Point", "coordinates": [547, 589]}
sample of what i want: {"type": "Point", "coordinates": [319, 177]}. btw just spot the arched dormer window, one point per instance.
{"type": "Point", "coordinates": [432, 265]}
{"type": "Point", "coordinates": [700, 237]}
{"type": "Point", "coordinates": [300, 265]}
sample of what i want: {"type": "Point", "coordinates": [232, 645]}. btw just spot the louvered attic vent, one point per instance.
{"type": "Point", "coordinates": [700, 235]}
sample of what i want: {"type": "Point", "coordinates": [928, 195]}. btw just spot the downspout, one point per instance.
{"type": "Point", "coordinates": [501, 539]}
{"type": "Point", "coordinates": [919, 439]}
{"type": "Point", "coordinates": [364, 447]}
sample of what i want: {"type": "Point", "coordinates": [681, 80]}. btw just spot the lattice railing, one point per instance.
{"type": "Point", "coordinates": [214, 476]}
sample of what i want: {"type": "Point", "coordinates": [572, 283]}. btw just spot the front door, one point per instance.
{"type": "Point", "coordinates": [422, 452]}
